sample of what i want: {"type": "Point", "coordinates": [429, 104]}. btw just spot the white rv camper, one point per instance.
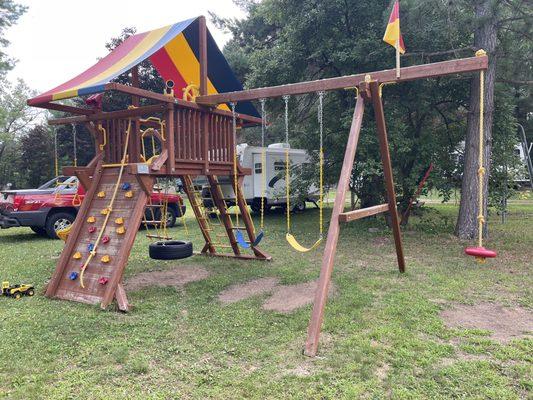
{"type": "Point", "coordinates": [274, 191]}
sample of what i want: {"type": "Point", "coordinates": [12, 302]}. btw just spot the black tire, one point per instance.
{"type": "Point", "coordinates": [56, 221]}
{"type": "Point", "coordinates": [182, 209]}
{"type": "Point", "coordinates": [30, 292]}
{"type": "Point", "coordinates": [171, 216]}
{"type": "Point", "coordinates": [300, 206]}
{"type": "Point", "coordinates": [170, 250]}
{"type": "Point", "coordinates": [39, 230]}
{"type": "Point", "coordinates": [17, 295]}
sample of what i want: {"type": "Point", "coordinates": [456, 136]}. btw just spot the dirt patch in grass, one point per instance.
{"type": "Point", "coordinates": [380, 241]}
{"type": "Point", "coordinates": [246, 290]}
{"type": "Point", "coordinates": [287, 298]}
{"type": "Point", "coordinates": [176, 277]}
{"type": "Point", "coordinates": [504, 323]}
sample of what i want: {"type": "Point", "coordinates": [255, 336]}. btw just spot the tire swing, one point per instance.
{"type": "Point", "coordinates": [167, 249]}
{"type": "Point", "coordinates": [289, 236]}
{"type": "Point", "coordinates": [480, 252]}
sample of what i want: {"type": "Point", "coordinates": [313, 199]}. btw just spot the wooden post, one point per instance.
{"type": "Point", "coordinates": [203, 91]}
{"type": "Point", "coordinates": [321, 295]}
{"type": "Point", "coordinates": [387, 170]}
{"type": "Point", "coordinates": [134, 145]}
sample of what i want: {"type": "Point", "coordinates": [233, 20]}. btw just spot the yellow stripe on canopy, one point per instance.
{"type": "Point", "coordinates": [186, 63]}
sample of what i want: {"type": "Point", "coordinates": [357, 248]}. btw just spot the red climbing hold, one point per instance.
{"type": "Point", "coordinates": [480, 252]}
{"type": "Point", "coordinates": [92, 229]}
{"type": "Point", "coordinates": [105, 239]}
{"type": "Point", "coordinates": [103, 280]}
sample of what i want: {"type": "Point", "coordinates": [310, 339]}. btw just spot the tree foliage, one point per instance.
{"type": "Point", "coordinates": [282, 41]}
{"type": "Point", "coordinates": [10, 12]}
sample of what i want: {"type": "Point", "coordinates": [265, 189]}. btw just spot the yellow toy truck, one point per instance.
{"type": "Point", "coordinates": [17, 291]}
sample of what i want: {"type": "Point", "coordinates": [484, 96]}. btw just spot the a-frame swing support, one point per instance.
{"type": "Point", "coordinates": [368, 92]}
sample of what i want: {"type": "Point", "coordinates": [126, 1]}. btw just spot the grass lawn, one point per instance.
{"type": "Point", "coordinates": [383, 335]}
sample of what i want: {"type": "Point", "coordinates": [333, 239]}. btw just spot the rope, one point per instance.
{"type": "Point", "coordinates": [287, 164]}
{"type": "Point", "coordinates": [481, 170]}
{"type": "Point", "coordinates": [109, 207]}
{"type": "Point", "coordinates": [263, 162]}
{"type": "Point", "coordinates": [56, 155]}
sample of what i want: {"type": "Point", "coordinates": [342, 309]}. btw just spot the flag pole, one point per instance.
{"type": "Point", "coordinates": [397, 58]}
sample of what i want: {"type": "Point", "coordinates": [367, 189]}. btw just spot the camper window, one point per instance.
{"type": "Point", "coordinates": [279, 166]}
{"type": "Point", "coordinates": [258, 168]}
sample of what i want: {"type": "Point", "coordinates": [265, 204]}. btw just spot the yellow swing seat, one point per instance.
{"type": "Point", "coordinates": [298, 247]}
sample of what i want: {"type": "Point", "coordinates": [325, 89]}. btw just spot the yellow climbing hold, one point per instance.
{"type": "Point", "coordinates": [105, 259]}
{"type": "Point", "coordinates": [101, 194]}
{"type": "Point", "coordinates": [91, 220]}
{"type": "Point", "coordinates": [129, 194]}
{"type": "Point", "coordinates": [105, 211]}
{"type": "Point", "coordinates": [121, 230]}
{"type": "Point", "coordinates": [119, 221]}
{"type": "Point", "coordinates": [77, 255]}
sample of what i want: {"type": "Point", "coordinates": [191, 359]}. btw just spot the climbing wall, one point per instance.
{"type": "Point", "coordinates": [104, 271]}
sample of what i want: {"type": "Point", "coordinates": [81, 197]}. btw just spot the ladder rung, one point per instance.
{"type": "Point", "coordinates": [152, 222]}
{"type": "Point", "coordinates": [238, 227]}
{"type": "Point", "coordinates": [158, 237]}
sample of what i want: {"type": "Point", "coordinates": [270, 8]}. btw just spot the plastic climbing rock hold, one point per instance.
{"type": "Point", "coordinates": [129, 194]}
{"type": "Point", "coordinates": [105, 259]}
{"type": "Point", "coordinates": [105, 211]}
{"type": "Point", "coordinates": [91, 220]}
{"type": "Point", "coordinates": [121, 230]}
{"type": "Point", "coordinates": [92, 229]}
{"type": "Point", "coordinates": [77, 255]}
{"type": "Point", "coordinates": [105, 239]}
{"type": "Point", "coordinates": [119, 221]}
{"type": "Point", "coordinates": [126, 186]}
{"type": "Point", "coordinates": [101, 194]}
{"type": "Point", "coordinates": [90, 247]}
{"type": "Point", "coordinates": [103, 280]}
{"type": "Point", "coordinates": [73, 276]}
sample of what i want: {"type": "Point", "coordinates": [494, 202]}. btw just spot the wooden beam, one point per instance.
{"type": "Point", "coordinates": [432, 70]}
{"type": "Point", "coordinates": [65, 108]}
{"type": "Point", "coordinates": [321, 294]}
{"type": "Point", "coordinates": [203, 55]}
{"type": "Point", "coordinates": [155, 108]}
{"type": "Point", "coordinates": [147, 94]}
{"type": "Point", "coordinates": [387, 171]}
{"type": "Point", "coordinates": [363, 212]}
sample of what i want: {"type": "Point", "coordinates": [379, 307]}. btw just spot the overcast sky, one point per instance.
{"type": "Point", "coordinates": [55, 40]}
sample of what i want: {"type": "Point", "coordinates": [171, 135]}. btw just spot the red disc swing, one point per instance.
{"type": "Point", "coordinates": [480, 252]}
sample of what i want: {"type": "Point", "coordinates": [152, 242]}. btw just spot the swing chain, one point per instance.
{"type": "Point", "coordinates": [320, 114]}
{"type": "Point", "coordinates": [481, 170]}
{"type": "Point", "coordinates": [263, 161]}
{"type": "Point", "coordinates": [74, 140]}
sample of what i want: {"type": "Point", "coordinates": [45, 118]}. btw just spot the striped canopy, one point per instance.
{"type": "Point", "coordinates": [174, 52]}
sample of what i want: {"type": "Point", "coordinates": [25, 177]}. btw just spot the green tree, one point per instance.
{"type": "Point", "coordinates": [10, 12]}
{"type": "Point", "coordinates": [35, 162]}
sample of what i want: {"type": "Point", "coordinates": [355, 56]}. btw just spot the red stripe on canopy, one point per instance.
{"type": "Point", "coordinates": [166, 68]}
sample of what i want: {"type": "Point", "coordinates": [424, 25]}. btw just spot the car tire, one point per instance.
{"type": "Point", "coordinates": [39, 230]}
{"type": "Point", "coordinates": [299, 207]}
{"type": "Point", "coordinates": [170, 250]}
{"type": "Point", "coordinates": [171, 216]}
{"type": "Point", "coordinates": [57, 221]}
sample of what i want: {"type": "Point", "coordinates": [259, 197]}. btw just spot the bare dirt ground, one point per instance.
{"type": "Point", "coordinates": [246, 290]}
{"type": "Point", "coordinates": [284, 298]}
{"type": "Point", "coordinates": [287, 298]}
{"type": "Point", "coordinates": [176, 277]}
{"type": "Point", "coordinates": [504, 323]}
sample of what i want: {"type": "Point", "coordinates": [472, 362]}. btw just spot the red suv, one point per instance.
{"type": "Point", "coordinates": [54, 205]}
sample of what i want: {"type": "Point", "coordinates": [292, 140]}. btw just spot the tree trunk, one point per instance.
{"type": "Point", "coordinates": [484, 38]}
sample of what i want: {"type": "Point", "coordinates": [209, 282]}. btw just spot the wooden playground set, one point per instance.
{"type": "Point", "coordinates": [194, 126]}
